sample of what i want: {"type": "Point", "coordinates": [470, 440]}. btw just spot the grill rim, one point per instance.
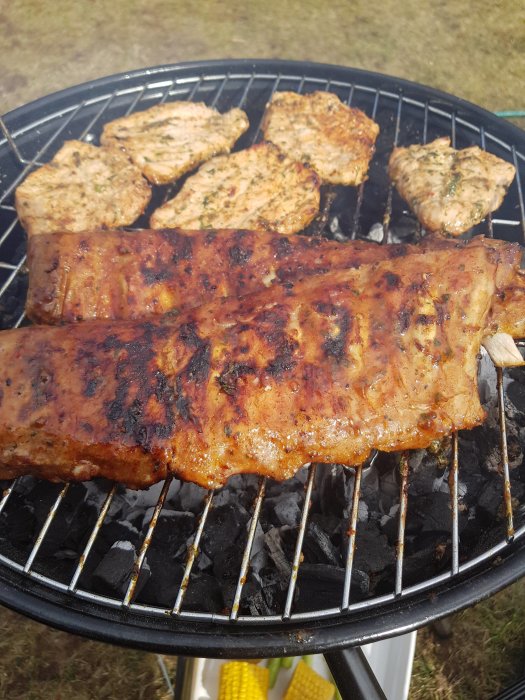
{"type": "Point", "coordinates": [325, 632]}
{"type": "Point", "coordinates": [248, 641]}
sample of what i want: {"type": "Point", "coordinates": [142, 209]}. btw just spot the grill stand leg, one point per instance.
{"type": "Point", "coordinates": [353, 676]}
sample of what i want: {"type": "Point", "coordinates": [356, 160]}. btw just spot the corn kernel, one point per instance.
{"type": "Point", "coordinates": [306, 684]}
{"type": "Point", "coordinates": [241, 680]}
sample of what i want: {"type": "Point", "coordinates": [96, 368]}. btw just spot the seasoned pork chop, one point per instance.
{"type": "Point", "coordinates": [337, 141]}
{"type": "Point", "coordinates": [83, 187]}
{"type": "Point", "coordinates": [383, 356]}
{"type": "Point", "coordinates": [171, 139]}
{"type": "Point", "coordinates": [258, 188]}
{"type": "Point", "coordinates": [448, 190]}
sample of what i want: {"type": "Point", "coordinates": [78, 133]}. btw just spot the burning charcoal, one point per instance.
{"type": "Point", "coordinates": [333, 488]}
{"type": "Point", "coordinates": [253, 600]}
{"type": "Point", "coordinates": [112, 575]}
{"type": "Point", "coordinates": [285, 510]}
{"type": "Point", "coordinates": [317, 547]}
{"type": "Point", "coordinates": [390, 524]}
{"type": "Point", "coordinates": [373, 553]}
{"type": "Point", "coordinates": [163, 585]}
{"type": "Point", "coordinates": [490, 499]}
{"type": "Point", "coordinates": [203, 563]}
{"type": "Point", "coordinates": [369, 491]}
{"type": "Point", "coordinates": [437, 516]}
{"type": "Point", "coordinates": [425, 557]}
{"type": "Point", "coordinates": [331, 524]}
{"type": "Point", "coordinates": [71, 525]}
{"type": "Point", "coordinates": [319, 582]}
{"type": "Point", "coordinates": [17, 523]}
{"type": "Point", "coordinates": [517, 374]}
{"type": "Point", "coordinates": [172, 531]}
{"type": "Point", "coordinates": [227, 562]}
{"type": "Point", "coordinates": [191, 497]}
{"type": "Point", "coordinates": [258, 556]}
{"type": "Point", "coordinates": [116, 530]}
{"type": "Point", "coordinates": [203, 594]}
{"type": "Point", "coordinates": [424, 469]}
{"type": "Point", "coordinates": [243, 488]}
{"type": "Point", "coordinates": [224, 526]}
{"type": "Point", "coordinates": [274, 545]}
{"type": "Point", "coordinates": [516, 396]}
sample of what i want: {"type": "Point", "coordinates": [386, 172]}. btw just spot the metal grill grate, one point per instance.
{"type": "Point", "coordinates": [406, 114]}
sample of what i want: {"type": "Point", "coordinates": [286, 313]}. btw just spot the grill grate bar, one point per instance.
{"type": "Point", "coordinates": [94, 533]}
{"type": "Point", "coordinates": [45, 527]}
{"type": "Point", "coordinates": [507, 498]}
{"type": "Point", "coordinates": [247, 550]}
{"type": "Point", "coordinates": [167, 92]}
{"type": "Point", "coordinates": [273, 90]}
{"type": "Point", "coordinates": [388, 207]}
{"type": "Point", "coordinates": [425, 123]}
{"type": "Point", "coordinates": [11, 142]}
{"type": "Point", "coordinates": [403, 498]}
{"type": "Point", "coordinates": [299, 542]}
{"type": "Point", "coordinates": [453, 129]}
{"type": "Point", "coordinates": [44, 148]}
{"type": "Point", "coordinates": [97, 116]}
{"type": "Point", "coordinates": [490, 226]}
{"type": "Point", "coordinates": [194, 89]}
{"type": "Point", "coordinates": [7, 493]}
{"type": "Point", "coordinates": [361, 188]}
{"type": "Point", "coordinates": [139, 561]}
{"type": "Point", "coordinates": [193, 550]}
{"type": "Point", "coordinates": [352, 531]}
{"type": "Point", "coordinates": [220, 90]}
{"type": "Point", "coordinates": [454, 498]}
{"type": "Point", "coordinates": [15, 271]}
{"type": "Point", "coordinates": [247, 89]}
{"type": "Point", "coordinates": [135, 101]}
{"type": "Point", "coordinates": [520, 191]}
{"type": "Point", "coordinates": [8, 231]}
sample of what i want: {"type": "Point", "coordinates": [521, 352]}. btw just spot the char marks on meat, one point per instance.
{"type": "Point", "coordinates": [450, 190]}
{"type": "Point", "coordinates": [171, 139]}
{"type": "Point", "coordinates": [136, 275]}
{"type": "Point", "coordinates": [322, 372]}
{"type": "Point", "coordinates": [82, 188]}
{"type": "Point", "coordinates": [336, 140]}
{"type": "Point", "coordinates": [258, 188]}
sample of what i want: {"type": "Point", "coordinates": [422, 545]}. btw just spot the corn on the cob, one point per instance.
{"type": "Point", "coordinates": [306, 684]}
{"type": "Point", "coordinates": [241, 680]}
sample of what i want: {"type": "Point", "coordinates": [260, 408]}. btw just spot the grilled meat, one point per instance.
{"type": "Point", "coordinates": [383, 356]}
{"type": "Point", "coordinates": [124, 275]}
{"type": "Point", "coordinates": [448, 190]}
{"type": "Point", "coordinates": [171, 139]}
{"type": "Point", "coordinates": [337, 141]}
{"type": "Point", "coordinates": [81, 188]}
{"type": "Point", "coordinates": [258, 188]}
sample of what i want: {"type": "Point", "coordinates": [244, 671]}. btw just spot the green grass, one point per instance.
{"type": "Point", "coordinates": [485, 654]}
{"type": "Point", "coordinates": [39, 663]}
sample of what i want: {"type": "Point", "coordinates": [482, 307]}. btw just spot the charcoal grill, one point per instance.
{"type": "Point", "coordinates": [407, 113]}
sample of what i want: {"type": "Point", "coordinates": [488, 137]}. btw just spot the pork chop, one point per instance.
{"type": "Point", "coordinates": [449, 190]}
{"type": "Point", "coordinates": [337, 141]}
{"type": "Point", "coordinates": [81, 188]}
{"type": "Point", "coordinates": [171, 139]}
{"type": "Point", "coordinates": [258, 188]}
